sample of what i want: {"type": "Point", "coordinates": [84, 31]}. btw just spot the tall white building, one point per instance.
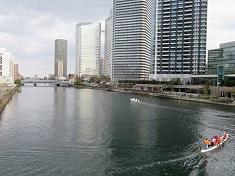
{"type": "Point", "coordinates": [134, 24]}
{"type": "Point", "coordinates": [100, 63]}
{"type": "Point", "coordinates": [7, 66]}
{"type": "Point", "coordinates": [88, 41]}
{"type": "Point", "coordinates": [108, 46]}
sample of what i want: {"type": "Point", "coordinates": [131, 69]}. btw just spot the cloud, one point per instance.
{"type": "Point", "coordinates": [31, 40]}
{"type": "Point", "coordinates": [31, 27]}
{"type": "Point", "coordinates": [221, 27]}
{"type": "Point", "coordinates": [63, 9]}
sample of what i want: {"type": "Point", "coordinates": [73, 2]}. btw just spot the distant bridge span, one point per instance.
{"type": "Point", "coordinates": [51, 82]}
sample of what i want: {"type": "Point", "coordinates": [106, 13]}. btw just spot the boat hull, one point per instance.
{"type": "Point", "coordinates": [215, 147]}
{"type": "Point", "coordinates": [135, 100]}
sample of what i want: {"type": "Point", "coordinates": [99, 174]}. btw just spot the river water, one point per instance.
{"type": "Point", "coordinates": [66, 131]}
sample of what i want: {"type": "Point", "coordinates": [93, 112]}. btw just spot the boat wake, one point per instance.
{"type": "Point", "coordinates": [191, 158]}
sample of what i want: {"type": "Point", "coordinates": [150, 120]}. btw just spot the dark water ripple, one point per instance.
{"type": "Point", "coordinates": [63, 131]}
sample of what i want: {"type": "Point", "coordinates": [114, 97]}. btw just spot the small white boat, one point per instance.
{"type": "Point", "coordinates": [134, 100]}
{"type": "Point", "coordinates": [216, 146]}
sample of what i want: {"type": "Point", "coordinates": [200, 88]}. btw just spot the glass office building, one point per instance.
{"type": "Point", "coordinates": [223, 56]}
{"type": "Point", "coordinates": [133, 39]}
{"type": "Point", "coordinates": [181, 39]}
{"type": "Point", "coordinates": [108, 46]}
{"type": "Point", "coordinates": [88, 48]}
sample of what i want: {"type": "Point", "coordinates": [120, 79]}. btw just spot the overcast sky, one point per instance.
{"type": "Point", "coordinates": [28, 28]}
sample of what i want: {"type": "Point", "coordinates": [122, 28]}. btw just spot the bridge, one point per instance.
{"type": "Point", "coordinates": [46, 82]}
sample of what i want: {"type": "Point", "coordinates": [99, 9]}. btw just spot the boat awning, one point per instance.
{"type": "Point", "coordinates": [231, 75]}
{"type": "Point", "coordinates": [203, 76]}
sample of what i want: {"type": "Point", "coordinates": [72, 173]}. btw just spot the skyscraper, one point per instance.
{"type": "Point", "coordinates": [181, 39]}
{"type": "Point", "coordinates": [100, 63]}
{"type": "Point", "coordinates": [60, 58]}
{"type": "Point", "coordinates": [108, 46]}
{"type": "Point", "coordinates": [133, 38]}
{"type": "Point", "coordinates": [88, 41]}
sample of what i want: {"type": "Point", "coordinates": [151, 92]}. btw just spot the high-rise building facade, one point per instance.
{"type": "Point", "coordinates": [100, 67]}
{"type": "Point", "coordinates": [60, 58]}
{"type": "Point", "coordinates": [100, 62]}
{"type": "Point", "coordinates": [181, 39]}
{"type": "Point", "coordinates": [108, 46]}
{"type": "Point", "coordinates": [133, 39]}
{"type": "Point", "coordinates": [88, 46]}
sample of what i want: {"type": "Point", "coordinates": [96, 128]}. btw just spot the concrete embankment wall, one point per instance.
{"type": "Point", "coordinates": [7, 97]}
{"type": "Point", "coordinates": [177, 97]}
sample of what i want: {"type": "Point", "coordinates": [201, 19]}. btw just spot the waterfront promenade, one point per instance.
{"type": "Point", "coordinates": [158, 91]}
{"type": "Point", "coordinates": [181, 96]}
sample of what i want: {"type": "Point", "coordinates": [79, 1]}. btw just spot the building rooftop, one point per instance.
{"type": "Point", "coordinates": [228, 44]}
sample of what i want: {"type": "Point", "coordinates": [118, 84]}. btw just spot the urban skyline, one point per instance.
{"type": "Point", "coordinates": [117, 87]}
{"type": "Point", "coordinates": [35, 53]}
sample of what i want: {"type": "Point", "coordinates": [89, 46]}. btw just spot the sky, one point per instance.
{"type": "Point", "coordinates": [28, 28]}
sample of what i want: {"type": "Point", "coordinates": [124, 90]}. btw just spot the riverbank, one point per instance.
{"type": "Point", "coordinates": [193, 97]}
{"type": "Point", "coordinates": [207, 100]}
{"type": "Point", "coordinates": [6, 96]}
{"type": "Point", "coordinates": [183, 97]}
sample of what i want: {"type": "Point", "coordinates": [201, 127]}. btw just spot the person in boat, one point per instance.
{"type": "Point", "coordinates": [207, 142]}
{"type": "Point", "coordinates": [225, 135]}
{"type": "Point", "coordinates": [213, 141]}
{"type": "Point", "coordinates": [218, 139]}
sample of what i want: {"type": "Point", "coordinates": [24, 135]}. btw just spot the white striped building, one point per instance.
{"type": "Point", "coordinates": [88, 46]}
{"type": "Point", "coordinates": [133, 39]}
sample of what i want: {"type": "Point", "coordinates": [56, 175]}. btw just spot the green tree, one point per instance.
{"type": "Point", "coordinates": [104, 78]}
{"type": "Point", "coordinates": [174, 81]}
{"type": "Point", "coordinates": [18, 82]}
{"type": "Point", "coordinates": [94, 79]}
{"type": "Point", "coordinates": [78, 82]}
{"type": "Point", "coordinates": [206, 89]}
{"type": "Point", "coordinates": [228, 82]}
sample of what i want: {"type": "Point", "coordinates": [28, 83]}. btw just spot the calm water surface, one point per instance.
{"type": "Point", "coordinates": [65, 131]}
